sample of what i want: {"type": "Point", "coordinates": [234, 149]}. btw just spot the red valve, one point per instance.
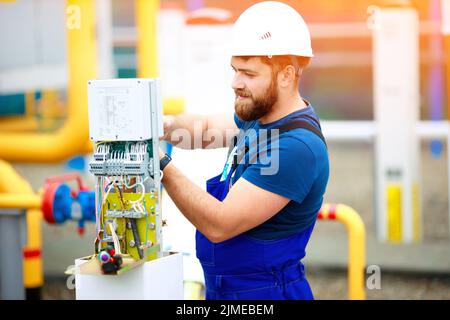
{"type": "Point", "coordinates": [47, 201]}
{"type": "Point", "coordinates": [51, 186]}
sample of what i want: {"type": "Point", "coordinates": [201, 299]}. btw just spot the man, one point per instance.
{"type": "Point", "coordinates": [255, 220]}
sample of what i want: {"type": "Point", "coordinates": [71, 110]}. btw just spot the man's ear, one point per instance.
{"type": "Point", "coordinates": [287, 76]}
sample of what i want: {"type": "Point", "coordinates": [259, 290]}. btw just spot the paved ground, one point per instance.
{"type": "Point", "coordinates": [331, 284]}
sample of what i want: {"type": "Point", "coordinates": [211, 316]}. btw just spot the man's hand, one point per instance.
{"type": "Point", "coordinates": [167, 125]}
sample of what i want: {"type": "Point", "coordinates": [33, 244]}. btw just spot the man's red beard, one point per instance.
{"type": "Point", "coordinates": [253, 108]}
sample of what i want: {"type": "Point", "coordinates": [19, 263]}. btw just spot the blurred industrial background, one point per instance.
{"type": "Point", "coordinates": [44, 62]}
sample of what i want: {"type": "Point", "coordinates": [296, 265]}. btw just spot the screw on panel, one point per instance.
{"type": "Point", "coordinates": [132, 243]}
{"type": "Point", "coordinates": [128, 225]}
{"type": "Point", "coordinates": [151, 226]}
{"type": "Point", "coordinates": [149, 243]}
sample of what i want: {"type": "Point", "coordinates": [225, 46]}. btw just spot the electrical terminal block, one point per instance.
{"type": "Point", "coordinates": [133, 161]}
{"type": "Point", "coordinates": [98, 165]}
{"type": "Point", "coordinates": [97, 168]}
{"type": "Point", "coordinates": [137, 165]}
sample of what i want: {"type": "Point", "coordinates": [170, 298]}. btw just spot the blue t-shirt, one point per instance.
{"type": "Point", "coordinates": [294, 166]}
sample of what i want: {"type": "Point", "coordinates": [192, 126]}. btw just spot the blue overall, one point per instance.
{"type": "Point", "coordinates": [246, 268]}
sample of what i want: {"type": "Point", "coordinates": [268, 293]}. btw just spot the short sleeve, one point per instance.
{"type": "Point", "coordinates": [287, 168]}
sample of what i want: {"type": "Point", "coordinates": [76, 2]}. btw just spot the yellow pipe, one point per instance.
{"type": "Point", "coordinates": [193, 290]}
{"type": "Point", "coordinates": [146, 16]}
{"type": "Point", "coordinates": [147, 50]}
{"type": "Point", "coordinates": [20, 201]}
{"type": "Point", "coordinates": [356, 245]}
{"type": "Point", "coordinates": [16, 192]}
{"type": "Point", "coordinates": [356, 250]}
{"type": "Point", "coordinates": [88, 147]}
{"type": "Point", "coordinates": [18, 124]}
{"type": "Point", "coordinates": [173, 105]}
{"type": "Point", "coordinates": [71, 138]}
{"type": "Point", "coordinates": [33, 269]}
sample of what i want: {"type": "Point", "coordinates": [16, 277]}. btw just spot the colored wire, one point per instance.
{"type": "Point", "coordinates": [115, 238]}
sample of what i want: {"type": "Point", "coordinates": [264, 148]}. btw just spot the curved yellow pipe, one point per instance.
{"type": "Point", "coordinates": [16, 192]}
{"type": "Point", "coordinates": [356, 249]}
{"type": "Point", "coordinates": [356, 245]}
{"type": "Point", "coordinates": [71, 138]}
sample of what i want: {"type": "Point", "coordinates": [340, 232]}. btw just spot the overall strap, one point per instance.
{"type": "Point", "coordinates": [305, 116]}
{"type": "Point", "coordinates": [303, 125]}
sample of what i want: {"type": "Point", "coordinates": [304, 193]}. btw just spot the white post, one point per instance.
{"type": "Point", "coordinates": [396, 100]}
{"type": "Point", "coordinates": [445, 9]}
{"type": "Point", "coordinates": [171, 28]}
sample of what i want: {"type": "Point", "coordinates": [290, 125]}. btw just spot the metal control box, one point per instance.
{"type": "Point", "coordinates": [122, 109]}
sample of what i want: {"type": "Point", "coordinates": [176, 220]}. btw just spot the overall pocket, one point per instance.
{"type": "Point", "coordinates": [204, 249]}
{"type": "Point", "coordinates": [218, 189]}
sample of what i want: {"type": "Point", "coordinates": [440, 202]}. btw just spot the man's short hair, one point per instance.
{"type": "Point", "coordinates": [278, 63]}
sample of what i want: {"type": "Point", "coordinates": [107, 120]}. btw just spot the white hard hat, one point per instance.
{"type": "Point", "coordinates": [271, 28]}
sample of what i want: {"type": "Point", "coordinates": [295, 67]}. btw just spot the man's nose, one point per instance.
{"type": "Point", "coordinates": [237, 82]}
